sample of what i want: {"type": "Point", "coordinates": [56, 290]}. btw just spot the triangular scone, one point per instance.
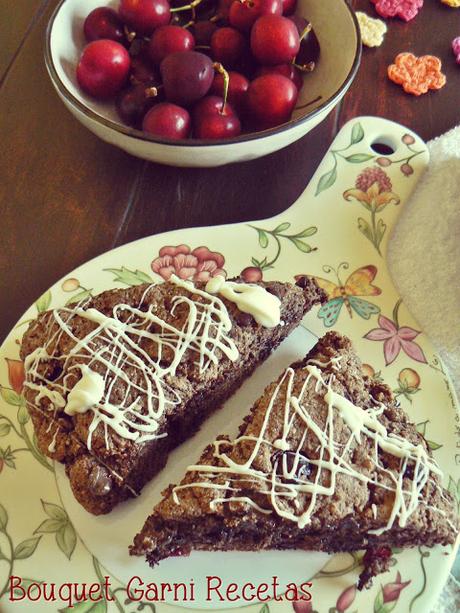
{"type": "Point", "coordinates": [326, 460]}
{"type": "Point", "coordinates": [115, 382]}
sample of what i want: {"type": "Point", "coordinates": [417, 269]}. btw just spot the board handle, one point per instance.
{"type": "Point", "coordinates": [368, 174]}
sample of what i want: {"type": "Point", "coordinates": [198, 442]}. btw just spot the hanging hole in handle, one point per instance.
{"type": "Point", "coordinates": [384, 146]}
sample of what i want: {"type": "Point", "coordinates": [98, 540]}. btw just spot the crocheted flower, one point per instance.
{"type": "Point", "coordinates": [404, 9]}
{"type": "Point", "coordinates": [456, 46]}
{"type": "Point", "coordinates": [373, 189]}
{"type": "Point", "coordinates": [417, 75]}
{"type": "Point", "coordinates": [198, 265]}
{"type": "Point", "coordinates": [455, 4]}
{"type": "Point", "coordinates": [372, 30]}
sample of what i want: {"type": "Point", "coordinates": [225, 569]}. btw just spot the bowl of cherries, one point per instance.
{"type": "Point", "coordinates": [201, 82]}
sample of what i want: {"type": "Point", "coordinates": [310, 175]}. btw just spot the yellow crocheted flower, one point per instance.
{"type": "Point", "coordinates": [372, 30]}
{"type": "Point", "coordinates": [455, 4]}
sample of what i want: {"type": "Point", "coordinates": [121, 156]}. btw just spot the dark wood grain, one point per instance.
{"type": "Point", "coordinates": [168, 198]}
{"type": "Point", "coordinates": [66, 197]}
{"type": "Point", "coordinates": [431, 33]}
{"type": "Point", "coordinates": [16, 17]}
{"type": "Point", "coordinates": [63, 192]}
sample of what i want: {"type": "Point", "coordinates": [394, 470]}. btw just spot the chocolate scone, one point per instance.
{"type": "Point", "coordinates": [114, 383]}
{"type": "Point", "coordinates": [326, 460]}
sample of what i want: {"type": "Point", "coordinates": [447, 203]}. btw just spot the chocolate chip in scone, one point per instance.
{"type": "Point", "coordinates": [100, 481]}
{"type": "Point", "coordinates": [284, 462]}
{"type": "Point", "coordinates": [244, 319]}
{"type": "Point", "coordinates": [303, 282]}
{"type": "Point", "coordinates": [275, 290]}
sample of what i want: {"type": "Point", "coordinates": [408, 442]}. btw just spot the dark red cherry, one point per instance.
{"type": "Point", "coordinates": [202, 31]}
{"type": "Point", "coordinates": [309, 47]}
{"type": "Point", "coordinates": [270, 100]}
{"type": "Point", "coordinates": [168, 120]}
{"type": "Point", "coordinates": [224, 8]}
{"type": "Point", "coordinates": [228, 46]}
{"type": "Point", "coordinates": [287, 70]}
{"type": "Point", "coordinates": [103, 68]}
{"type": "Point", "coordinates": [289, 6]}
{"type": "Point", "coordinates": [169, 39]}
{"type": "Point", "coordinates": [212, 119]}
{"type": "Point", "coordinates": [143, 72]}
{"type": "Point", "coordinates": [243, 13]}
{"type": "Point", "coordinates": [237, 88]}
{"type": "Point", "coordinates": [274, 40]}
{"type": "Point", "coordinates": [187, 76]}
{"type": "Point", "coordinates": [104, 22]}
{"type": "Point", "coordinates": [143, 16]}
{"type": "Point", "coordinates": [133, 103]}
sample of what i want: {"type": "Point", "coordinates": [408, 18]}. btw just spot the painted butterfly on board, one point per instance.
{"type": "Point", "coordinates": [358, 284]}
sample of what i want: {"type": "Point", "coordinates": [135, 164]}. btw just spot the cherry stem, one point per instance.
{"type": "Point", "coordinates": [305, 31]}
{"type": "Point", "coordinates": [187, 7]}
{"type": "Point", "coordinates": [221, 70]}
{"type": "Point", "coordinates": [152, 92]}
{"type": "Point", "coordinates": [310, 67]}
{"type": "Point", "coordinates": [130, 35]}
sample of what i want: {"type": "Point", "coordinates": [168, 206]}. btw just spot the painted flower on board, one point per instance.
{"type": "Point", "coordinates": [373, 189]}
{"type": "Point", "coordinates": [391, 591]}
{"type": "Point", "coordinates": [16, 374]}
{"type": "Point", "coordinates": [346, 599]}
{"type": "Point", "coordinates": [201, 264]}
{"type": "Point", "coordinates": [395, 338]}
{"type": "Point", "coordinates": [302, 606]}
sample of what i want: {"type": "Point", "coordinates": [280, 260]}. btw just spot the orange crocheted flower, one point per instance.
{"type": "Point", "coordinates": [417, 75]}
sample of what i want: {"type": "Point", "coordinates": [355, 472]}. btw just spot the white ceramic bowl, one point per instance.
{"type": "Point", "coordinates": [338, 33]}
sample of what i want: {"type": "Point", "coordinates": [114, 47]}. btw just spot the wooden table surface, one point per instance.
{"type": "Point", "coordinates": [65, 196]}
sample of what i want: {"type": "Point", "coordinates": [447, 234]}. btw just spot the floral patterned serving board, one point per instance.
{"type": "Point", "coordinates": [338, 230]}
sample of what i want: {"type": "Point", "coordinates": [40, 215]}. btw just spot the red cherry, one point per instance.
{"type": "Point", "coordinates": [169, 39]}
{"type": "Point", "coordinates": [274, 40]}
{"type": "Point", "coordinates": [243, 13]}
{"type": "Point", "coordinates": [228, 46]}
{"type": "Point", "coordinates": [300, 22]}
{"type": "Point", "coordinates": [224, 8]}
{"type": "Point", "coordinates": [289, 6]}
{"type": "Point", "coordinates": [287, 70]}
{"type": "Point", "coordinates": [214, 120]}
{"type": "Point", "coordinates": [104, 22]}
{"type": "Point", "coordinates": [141, 72]}
{"type": "Point", "coordinates": [251, 274]}
{"type": "Point", "coordinates": [202, 31]}
{"type": "Point", "coordinates": [167, 120]}
{"type": "Point", "coordinates": [144, 16]}
{"type": "Point", "coordinates": [133, 103]}
{"type": "Point", "coordinates": [187, 76]}
{"type": "Point", "coordinates": [309, 49]}
{"type": "Point", "coordinates": [103, 68]}
{"type": "Point", "coordinates": [270, 100]}
{"type": "Point", "coordinates": [237, 88]}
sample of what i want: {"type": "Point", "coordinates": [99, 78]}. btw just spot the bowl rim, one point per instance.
{"type": "Point", "coordinates": [196, 142]}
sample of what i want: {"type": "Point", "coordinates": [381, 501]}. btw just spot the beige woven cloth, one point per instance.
{"type": "Point", "coordinates": [424, 259]}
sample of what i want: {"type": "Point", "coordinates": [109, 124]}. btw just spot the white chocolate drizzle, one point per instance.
{"type": "Point", "coordinates": [304, 491]}
{"type": "Point", "coordinates": [249, 298]}
{"type": "Point", "coordinates": [117, 343]}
